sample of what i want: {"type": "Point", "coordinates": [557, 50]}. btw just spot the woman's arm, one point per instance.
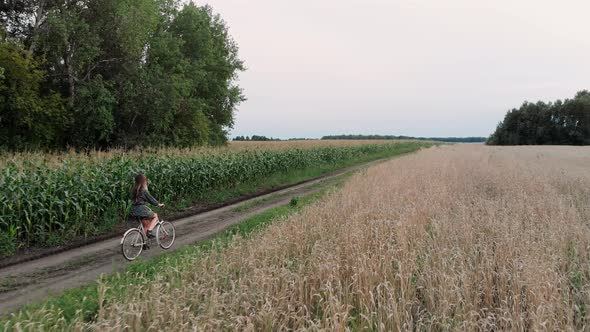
{"type": "Point", "coordinates": [151, 198]}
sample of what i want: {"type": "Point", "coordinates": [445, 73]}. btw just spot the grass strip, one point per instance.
{"type": "Point", "coordinates": [272, 181]}
{"type": "Point", "coordinates": [257, 202]}
{"type": "Point", "coordinates": [254, 203]}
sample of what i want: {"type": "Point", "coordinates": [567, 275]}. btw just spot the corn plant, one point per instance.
{"type": "Point", "coordinates": [43, 204]}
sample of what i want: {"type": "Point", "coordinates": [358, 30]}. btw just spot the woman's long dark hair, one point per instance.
{"type": "Point", "coordinates": [140, 183]}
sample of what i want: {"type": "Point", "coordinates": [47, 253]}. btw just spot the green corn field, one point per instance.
{"type": "Point", "coordinates": [43, 204]}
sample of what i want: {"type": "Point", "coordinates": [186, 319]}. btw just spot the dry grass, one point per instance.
{"type": "Point", "coordinates": [462, 237]}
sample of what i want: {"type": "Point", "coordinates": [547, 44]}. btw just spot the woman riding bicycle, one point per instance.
{"type": "Point", "coordinates": [139, 196]}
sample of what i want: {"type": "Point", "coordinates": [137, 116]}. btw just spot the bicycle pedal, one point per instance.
{"type": "Point", "coordinates": [146, 247]}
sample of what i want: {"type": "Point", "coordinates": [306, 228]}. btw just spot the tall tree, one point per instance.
{"type": "Point", "coordinates": [30, 116]}
{"type": "Point", "coordinates": [214, 63]}
{"type": "Point", "coordinates": [128, 72]}
{"type": "Point", "coordinates": [561, 122]}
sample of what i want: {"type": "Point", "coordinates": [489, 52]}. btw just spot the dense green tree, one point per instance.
{"type": "Point", "coordinates": [255, 138]}
{"type": "Point", "coordinates": [561, 122]}
{"type": "Point", "coordinates": [70, 46]}
{"type": "Point", "coordinates": [575, 117]}
{"type": "Point", "coordinates": [124, 72]}
{"type": "Point", "coordinates": [15, 17]}
{"type": "Point", "coordinates": [436, 139]}
{"type": "Point", "coordinates": [30, 116]}
{"type": "Point", "coordinates": [212, 57]}
{"type": "Point", "coordinates": [94, 123]}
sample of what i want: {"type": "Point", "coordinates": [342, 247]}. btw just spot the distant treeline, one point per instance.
{"type": "Point", "coordinates": [104, 73]}
{"type": "Point", "coordinates": [436, 139]}
{"type": "Point", "coordinates": [255, 138]}
{"type": "Point", "coordinates": [264, 138]}
{"type": "Point", "coordinates": [555, 123]}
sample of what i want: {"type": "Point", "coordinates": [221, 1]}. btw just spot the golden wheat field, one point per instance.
{"type": "Point", "coordinates": [462, 237]}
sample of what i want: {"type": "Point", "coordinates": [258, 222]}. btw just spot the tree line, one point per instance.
{"type": "Point", "coordinates": [387, 137]}
{"type": "Point", "coordinates": [564, 122]}
{"type": "Point", "coordinates": [104, 73]}
{"type": "Point", "coordinates": [255, 138]}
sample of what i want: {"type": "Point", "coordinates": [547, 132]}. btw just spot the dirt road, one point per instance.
{"type": "Point", "coordinates": [34, 280]}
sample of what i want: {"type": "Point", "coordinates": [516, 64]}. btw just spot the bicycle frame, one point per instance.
{"type": "Point", "coordinates": [142, 230]}
{"type": "Point", "coordinates": [164, 233]}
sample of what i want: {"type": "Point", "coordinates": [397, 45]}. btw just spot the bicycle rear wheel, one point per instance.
{"type": "Point", "coordinates": [165, 235]}
{"type": "Point", "coordinates": [132, 244]}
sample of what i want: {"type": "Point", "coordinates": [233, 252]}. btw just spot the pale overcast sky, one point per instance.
{"type": "Point", "coordinates": [420, 68]}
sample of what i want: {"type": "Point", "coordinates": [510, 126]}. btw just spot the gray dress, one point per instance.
{"type": "Point", "coordinates": [139, 209]}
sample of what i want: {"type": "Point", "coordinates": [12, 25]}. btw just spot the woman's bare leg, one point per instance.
{"type": "Point", "coordinates": [152, 223]}
{"type": "Point", "coordinates": [149, 224]}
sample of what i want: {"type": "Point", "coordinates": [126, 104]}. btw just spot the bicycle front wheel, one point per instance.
{"type": "Point", "coordinates": [165, 235]}
{"type": "Point", "coordinates": [132, 244]}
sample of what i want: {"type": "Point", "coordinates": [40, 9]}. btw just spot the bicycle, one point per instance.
{"type": "Point", "coordinates": [134, 239]}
